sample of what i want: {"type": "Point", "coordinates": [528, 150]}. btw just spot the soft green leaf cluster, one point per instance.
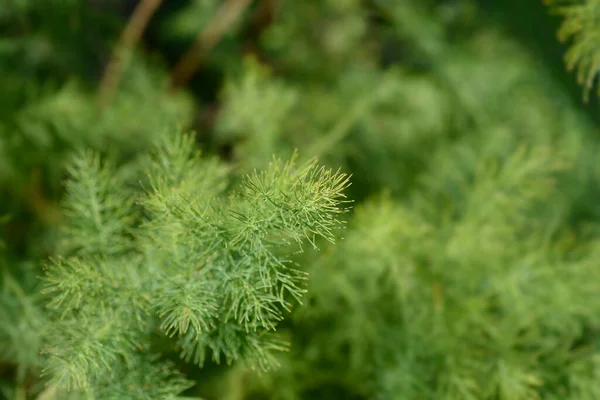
{"type": "Point", "coordinates": [48, 106]}
{"type": "Point", "coordinates": [185, 262]}
{"type": "Point", "coordinates": [23, 319]}
{"type": "Point", "coordinates": [259, 134]}
{"type": "Point", "coordinates": [580, 26]}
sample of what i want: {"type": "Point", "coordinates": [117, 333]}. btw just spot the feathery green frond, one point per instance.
{"type": "Point", "coordinates": [204, 269]}
{"type": "Point", "coordinates": [580, 26]}
{"type": "Point", "coordinates": [99, 208]}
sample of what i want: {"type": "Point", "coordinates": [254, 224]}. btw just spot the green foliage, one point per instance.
{"type": "Point", "coordinates": [138, 263]}
{"type": "Point", "coordinates": [581, 25]}
{"type": "Point", "coordinates": [243, 121]}
{"type": "Point", "coordinates": [467, 302]}
{"type": "Point", "coordinates": [205, 269]}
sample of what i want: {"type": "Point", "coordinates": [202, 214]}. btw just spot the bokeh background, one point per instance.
{"type": "Point", "coordinates": [469, 269]}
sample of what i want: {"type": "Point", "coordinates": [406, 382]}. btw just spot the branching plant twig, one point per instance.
{"type": "Point", "coordinates": [129, 38]}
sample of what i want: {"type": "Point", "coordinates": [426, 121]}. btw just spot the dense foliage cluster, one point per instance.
{"type": "Point", "coordinates": [140, 261]}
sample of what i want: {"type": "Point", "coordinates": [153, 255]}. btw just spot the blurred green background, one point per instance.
{"type": "Point", "coordinates": [474, 174]}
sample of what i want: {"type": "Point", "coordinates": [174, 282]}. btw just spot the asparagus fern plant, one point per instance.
{"type": "Point", "coordinates": [178, 262]}
{"type": "Point", "coordinates": [133, 267]}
